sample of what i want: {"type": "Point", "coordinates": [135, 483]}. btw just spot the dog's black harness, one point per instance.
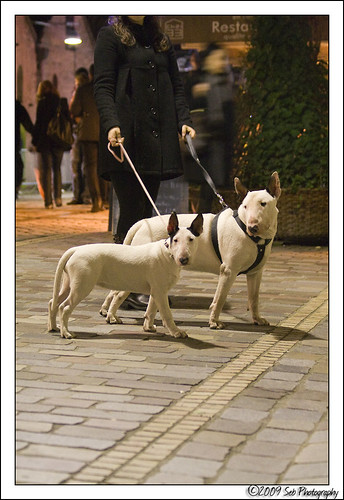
{"type": "Point", "coordinates": [255, 239]}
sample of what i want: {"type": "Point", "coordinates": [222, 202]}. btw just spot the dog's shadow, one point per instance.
{"type": "Point", "coordinates": [278, 332]}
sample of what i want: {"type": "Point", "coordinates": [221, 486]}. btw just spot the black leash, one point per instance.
{"type": "Point", "coordinates": [205, 173]}
{"type": "Point", "coordinates": [255, 239]}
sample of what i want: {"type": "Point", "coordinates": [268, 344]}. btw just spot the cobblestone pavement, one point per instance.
{"type": "Point", "coordinates": [119, 406]}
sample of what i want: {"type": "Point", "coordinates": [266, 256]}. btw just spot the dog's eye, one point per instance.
{"type": "Point", "coordinates": [263, 203]}
{"type": "Point", "coordinates": [175, 240]}
{"type": "Point", "coordinates": [245, 206]}
{"type": "Point", "coordinates": [191, 239]}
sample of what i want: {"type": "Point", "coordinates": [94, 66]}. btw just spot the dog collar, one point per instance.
{"type": "Point", "coordinates": [260, 247]}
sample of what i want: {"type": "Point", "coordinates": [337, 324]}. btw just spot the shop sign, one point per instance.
{"type": "Point", "coordinates": [206, 28]}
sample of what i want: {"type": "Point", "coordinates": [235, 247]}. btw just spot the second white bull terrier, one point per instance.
{"type": "Point", "coordinates": [152, 268]}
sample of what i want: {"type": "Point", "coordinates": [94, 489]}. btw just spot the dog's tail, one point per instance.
{"type": "Point", "coordinates": [54, 302]}
{"type": "Point", "coordinates": [132, 232]}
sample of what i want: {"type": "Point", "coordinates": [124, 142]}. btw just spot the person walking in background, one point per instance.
{"type": "Point", "coordinates": [22, 117]}
{"type": "Point", "coordinates": [50, 154]}
{"type": "Point", "coordinates": [140, 99]}
{"type": "Point", "coordinates": [211, 97]}
{"type": "Point", "coordinates": [218, 87]}
{"type": "Point", "coordinates": [83, 108]}
{"type": "Point", "coordinates": [80, 190]}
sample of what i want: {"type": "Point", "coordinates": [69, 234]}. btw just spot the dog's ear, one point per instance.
{"type": "Point", "coordinates": [274, 186]}
{"type": "Point", "coordinates": [197, 225]}
{"type": "Point", "coordinates": [240, 189]}
{"type": "Point", "coordinates": [172, 226]}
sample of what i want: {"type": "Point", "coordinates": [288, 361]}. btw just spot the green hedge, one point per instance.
{"type": "Point", "coordinates": [282, 110]}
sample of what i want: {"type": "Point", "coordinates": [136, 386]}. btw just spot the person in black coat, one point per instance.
{"type": "Point", "coordinates": [50, 154]}
{"type": "Point", "coordinates": [140, 99]}
{"type": "Point", "coordinates": [22, 118]}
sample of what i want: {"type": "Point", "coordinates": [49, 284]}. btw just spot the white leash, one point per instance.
{"type": "Point", "coordinates": [121, 160]}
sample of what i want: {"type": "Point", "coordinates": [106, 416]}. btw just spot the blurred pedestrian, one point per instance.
{"type": "Point", "coordinates": [22, 117]}
{"type": "Point", "coordinates": [83, 108]}
{"type": "Point", "coordinates": [80, 190]}
{"type": "Point", "coordinates": [48, 101]}
{"type": "Point", "coordinates": [217, 87]}
{"type": "Point", "coordinates": [140, 99]}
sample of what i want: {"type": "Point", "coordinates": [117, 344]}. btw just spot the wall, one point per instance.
{"type": "Point", "coordinates": [62, 62]}
{"type": "Point", "coordinates": [26, 64]}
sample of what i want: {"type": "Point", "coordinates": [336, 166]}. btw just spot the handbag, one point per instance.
{"type": "Point", "coordinates": [60, 130]}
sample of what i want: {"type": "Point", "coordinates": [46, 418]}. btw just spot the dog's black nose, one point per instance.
{"type": "Point", "coordinates": [184, 261]}
{"type": "Point", "coordinates": [253, 229]}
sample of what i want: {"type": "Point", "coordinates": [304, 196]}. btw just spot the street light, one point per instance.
{"type": "Point", "coordinates": [72, 37]}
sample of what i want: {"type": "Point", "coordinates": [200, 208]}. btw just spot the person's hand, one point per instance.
{"type": "Point", "coordinates": [188, 130]}
{"type": "Point", "coordinates": [114, 136]}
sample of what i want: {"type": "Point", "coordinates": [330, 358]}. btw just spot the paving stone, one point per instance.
{"type": "Point", "coordinates": [30, 476]}
{"type": "Point", "coordinates": [245, 478]}
{"type": "Point", "coordinates": [173, 478]}
{"type": "Point", "coordinates": [244, 415]}
{"type": "Point", "coordinates": [86, 431]}
{"type": "Point", "coordinates": [185, 465]}
{"type": "Point", "coordinates": [79, 454]}
{"type": "Point", "coordinates": [306, 473]}
{"type": "Point", "coordinates": [219, 438]}
{"type": "Point", "coordinates": [313, 452]}
{"type": "Point", "coordinates": [270, 449]}
{"type": "Point", "coordinates": [260, 404]}
{"type": "Point", "coordinates": [196, 450]}
{"type": "Point", "coordinates": [253, 463]}
{"type": "Point", "coordinates": [73, 442]}
{"type": "Point", "coordinates": [234, 426]}
{"type": "Point", "coordinates": [47, 463]}
{"type": "Point", "coordinates": [282, 436]}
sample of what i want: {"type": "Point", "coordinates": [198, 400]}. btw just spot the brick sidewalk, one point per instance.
{"type": "Point", "coordinates": [116, 405]}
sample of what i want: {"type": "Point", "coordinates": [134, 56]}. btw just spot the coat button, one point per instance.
{"type": "Point", "coordinates": [155, 133]}
{"type": "Point", "coordinates": [152, 88]}
{"type": "Point", "coordinates": [153, 111]}
{"type": "Point", "coordinates": [151, 64]}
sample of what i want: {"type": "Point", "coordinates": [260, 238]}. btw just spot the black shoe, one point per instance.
{"type": "Point", "coordinates": [136, 301]}
{"type": "Point", "coordinates": [75, 202]}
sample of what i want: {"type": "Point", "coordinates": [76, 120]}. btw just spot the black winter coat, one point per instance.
{"type": "Point", "coordinates": [140, 91]}
{"type": "Point", "coordinates": [46, 109]}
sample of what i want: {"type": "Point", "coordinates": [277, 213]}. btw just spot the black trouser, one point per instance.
{"type": "Point", "coordinates": [19, 171]}
{"type": "Point", "coordinates": [133, 202]}
{"type": "Point", "coordinates": [51, 159]}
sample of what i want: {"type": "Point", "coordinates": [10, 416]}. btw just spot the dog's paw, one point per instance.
{"type": "Point", "coordinates": [113, 320]}
{"type": "Point", "coordinates": [149, 328]}
{"type": "Point", "coordinates": [216, 325]}
{"type": "Point", "coordinates": [261, 321]}
{"type": "Point", "coordinates": [53, 329]}
{"type": "Point", "coordinates": [67, 335]}
{"type": "Point", "coordinates": [180, 334]}
{"type": "Point", "coordinates": [103, 312]}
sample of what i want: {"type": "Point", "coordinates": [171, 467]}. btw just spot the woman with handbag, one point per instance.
{"type": "Point", "coordinates": [51, 153]}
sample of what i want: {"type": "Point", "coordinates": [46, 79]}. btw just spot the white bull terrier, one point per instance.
{"type": "Point", "coordinates": [232, 243]}
{"type": "Point", "coordinates": [152, 268]}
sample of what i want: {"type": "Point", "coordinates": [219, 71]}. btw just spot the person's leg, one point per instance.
{"type": "Point", "coordinates": [19, 171]}
{"type": "Point", "coordinates": [46, 168]}
{"type": "Point", "coordinates": [133, 202]}
{"type": "Point", "coordinates": [90, 154]}
{"type": "Point", "coordinates": [77, 176]}
{"type": "Point", "coordinates": [206, 197]}
{"type": "Point", "coordinates": [57, 155]}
